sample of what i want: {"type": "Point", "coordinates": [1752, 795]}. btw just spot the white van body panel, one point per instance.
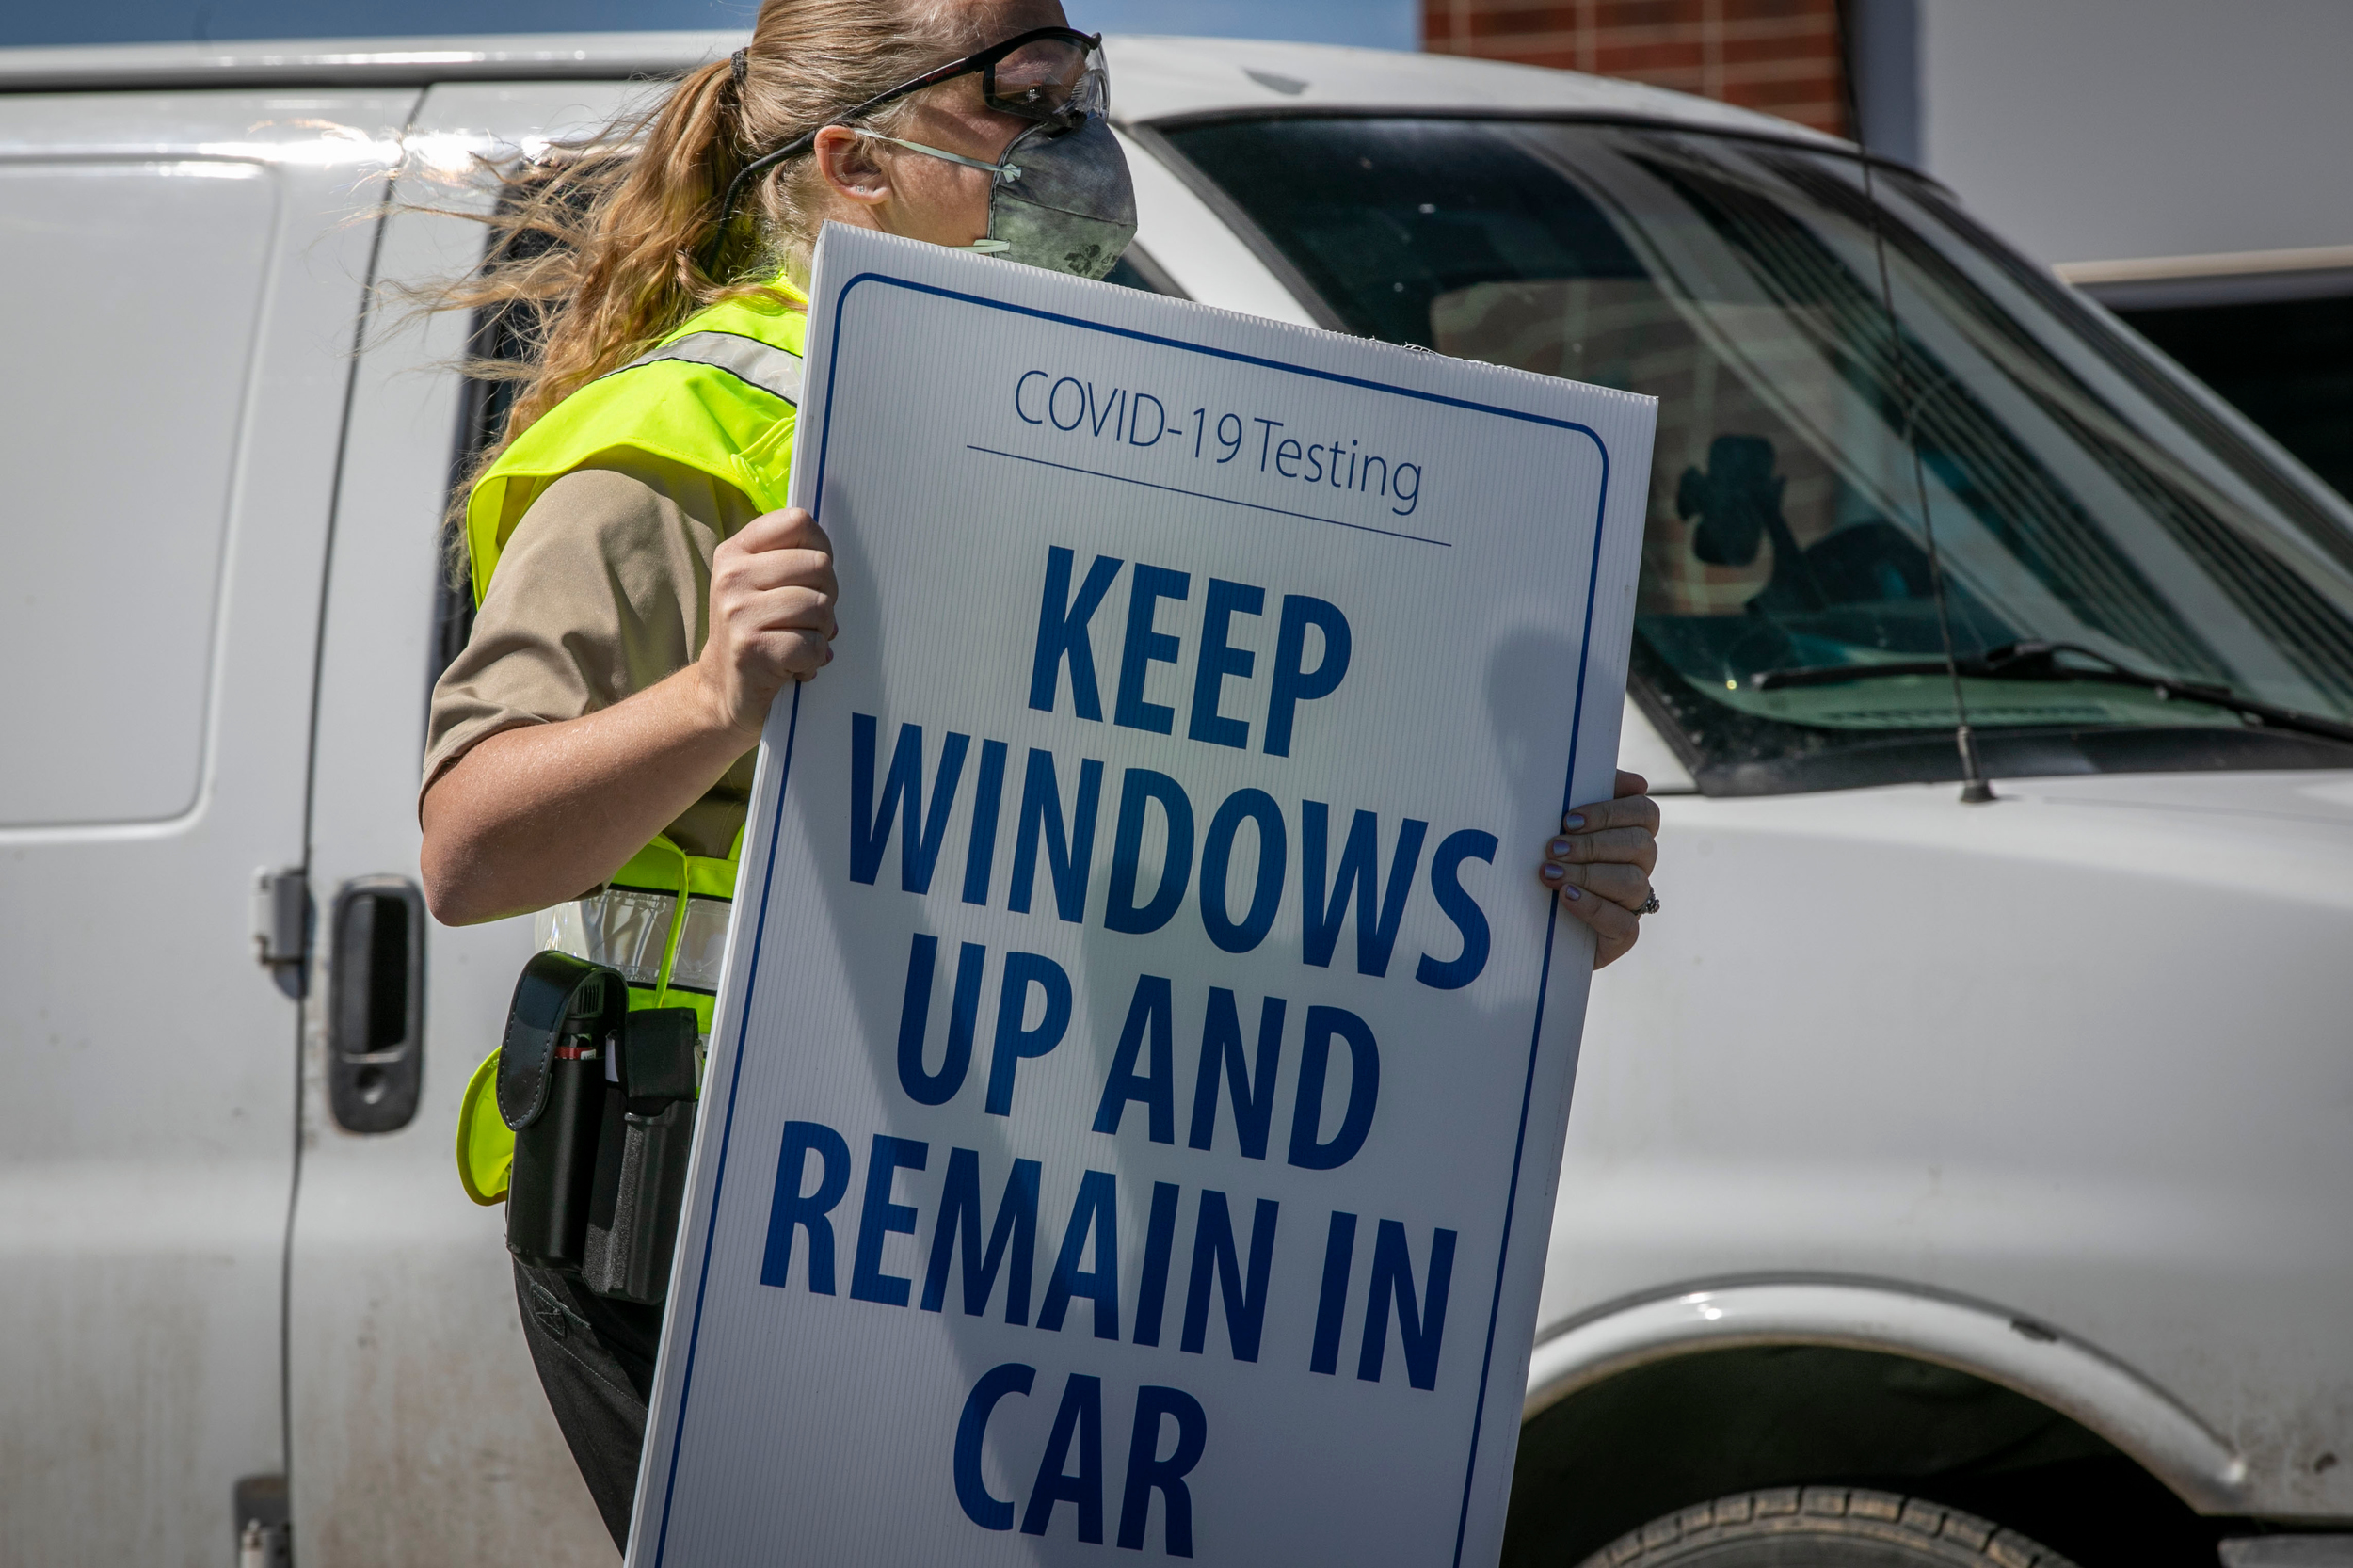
{"type": "Point", "coordinates": [177, 271]}
{"type": "Point", "coordinates": [1163, 78]}
{"type": "Point", "coordinates": [2080, 1053]}
{"type": "Point", "coordinates": [1886, 1071]}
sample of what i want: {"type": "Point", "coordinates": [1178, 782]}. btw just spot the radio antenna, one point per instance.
{"type": "Point", "coordinates": [1974, 790]}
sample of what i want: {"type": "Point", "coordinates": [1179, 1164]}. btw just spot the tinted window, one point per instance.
{"type": "Point", "coordinates": [2075, 497]}
{"type": "Point", "coordinates": [1137, 270]}
{"type": "Point", "coordinates": [2287, 364]}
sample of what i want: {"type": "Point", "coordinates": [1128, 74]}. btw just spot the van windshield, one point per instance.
{"type": "Point", "coordinates": [2080, 494]}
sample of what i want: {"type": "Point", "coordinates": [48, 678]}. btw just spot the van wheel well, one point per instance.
{"type": "Point", "coordinates": [1613, 1457]}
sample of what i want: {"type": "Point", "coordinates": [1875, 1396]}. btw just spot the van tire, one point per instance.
{"type": "Point", "coordinates": [1822, 1527]}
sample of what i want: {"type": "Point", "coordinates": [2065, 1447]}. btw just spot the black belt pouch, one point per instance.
{"type": "Point", "coordinates": [602, 1101]}
{"type": "Point", "coordinates": [641, 1162]}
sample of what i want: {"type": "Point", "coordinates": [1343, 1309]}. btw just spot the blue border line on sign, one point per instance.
{"type": "Point", "coordinates": [727, 1131]}
{"type": "Point", "coordinates": [1535, 1035]}
{"type": "Point", "coordinates": [1577, 722]}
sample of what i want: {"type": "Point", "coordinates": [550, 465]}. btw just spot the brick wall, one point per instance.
{"type": "Point", "coordinates": [1777, 56]}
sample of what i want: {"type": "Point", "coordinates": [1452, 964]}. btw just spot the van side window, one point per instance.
{"type": "Point", "coordinates": [130, 295]}
{"type": "Point", "coordinates": [481, 415]}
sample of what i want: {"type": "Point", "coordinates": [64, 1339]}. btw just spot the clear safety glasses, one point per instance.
{"type": "Point", "coordinates": [1052, 76]}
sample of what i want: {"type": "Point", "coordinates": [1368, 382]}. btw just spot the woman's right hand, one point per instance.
{"type": "Point", "coordinates": [771, 598]}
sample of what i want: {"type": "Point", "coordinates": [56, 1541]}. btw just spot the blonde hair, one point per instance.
{"type": "Point", "coordinates": [601, 247]}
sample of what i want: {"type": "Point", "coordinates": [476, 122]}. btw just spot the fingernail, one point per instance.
{"type": "Point", "coordinates": [1571, 823]}
{"type": "Point", "coordinates": [1558, 846]}
{"type": "Point", "coordinates": [1553, 875]}
{"type": "Point", "coordinates": [1572, 892]}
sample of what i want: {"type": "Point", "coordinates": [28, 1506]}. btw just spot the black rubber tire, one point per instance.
{"type": "Point", "coordinates": [1822, 1527]}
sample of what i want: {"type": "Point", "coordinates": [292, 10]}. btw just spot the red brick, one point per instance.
{"type": "Point", "coordinates": [1822, 11]}
{"type": "Point", "coordinates": [1644, 13]}
{"type": "Point", "coordinates": [1780, 56]}
{"type": "Point", "coordinates": [1639, 62]}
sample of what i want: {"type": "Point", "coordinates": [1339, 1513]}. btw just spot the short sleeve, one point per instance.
{"type": "Point", "coordinates": [603, 590]}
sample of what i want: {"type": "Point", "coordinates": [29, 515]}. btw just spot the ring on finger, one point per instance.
{"type": "Point", "coordinates": [1650, 905]}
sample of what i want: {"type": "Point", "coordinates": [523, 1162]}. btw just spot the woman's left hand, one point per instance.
{"type": "Point", "coordinates": [1599, 866]}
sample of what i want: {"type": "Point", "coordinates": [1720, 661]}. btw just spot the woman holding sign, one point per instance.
{"type": "Point", "coordinates": [639, 608]}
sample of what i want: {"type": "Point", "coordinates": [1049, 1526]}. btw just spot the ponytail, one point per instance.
{"type": "Point", "coordinates": [599, 247]}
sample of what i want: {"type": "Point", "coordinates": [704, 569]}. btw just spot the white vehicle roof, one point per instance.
{"type": "Point", "coordinates": [1164, 78]}
{"type": "Point", "coordinates": [1154, 78]}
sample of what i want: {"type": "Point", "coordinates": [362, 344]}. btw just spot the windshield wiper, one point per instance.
{"type": "Point", "coordinates": [2038, 661]}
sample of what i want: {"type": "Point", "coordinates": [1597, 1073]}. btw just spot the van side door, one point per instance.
{"type": "Point", "coordinates": [420, 1433]}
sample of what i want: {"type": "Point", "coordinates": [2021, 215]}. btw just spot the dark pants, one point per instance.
{"type": "Point", "coordinates": [596, 1361]}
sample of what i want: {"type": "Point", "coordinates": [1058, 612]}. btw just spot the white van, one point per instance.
{"type": "Point", "coordinates": [1998, 1157]}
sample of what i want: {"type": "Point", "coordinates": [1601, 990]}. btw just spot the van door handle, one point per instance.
{"type": "Point", "coordinates": [375, 1004]}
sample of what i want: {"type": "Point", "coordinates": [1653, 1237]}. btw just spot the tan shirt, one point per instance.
{"type": "Point", "coordinates": [603, 590]}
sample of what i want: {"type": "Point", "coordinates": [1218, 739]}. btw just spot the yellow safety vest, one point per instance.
{"type": "Point", "coordinates": [721, 394]}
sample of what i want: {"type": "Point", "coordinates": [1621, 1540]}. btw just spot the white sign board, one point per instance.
{"type": "Point", "coordinates": [1141, 1069]}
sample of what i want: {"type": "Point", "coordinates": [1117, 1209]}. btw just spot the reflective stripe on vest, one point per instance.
{"type": "Point", "coordinates": [625, 929]}
{"type": "Point", "coordinates": [661, 921]}
{"type": "Point", "coordinates": [720, 396]}
{"type": "Point", "coordinates": [772, 370]}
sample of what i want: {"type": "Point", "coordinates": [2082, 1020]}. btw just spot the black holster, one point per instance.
{"type": "Point", "coordinates": [602, 1101]}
